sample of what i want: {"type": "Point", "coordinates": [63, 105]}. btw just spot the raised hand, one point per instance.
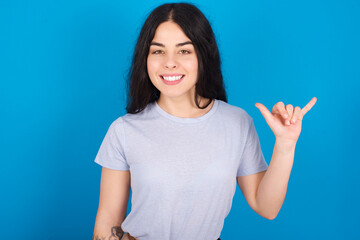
{"type": "Point", "coordinates": [285, 121]}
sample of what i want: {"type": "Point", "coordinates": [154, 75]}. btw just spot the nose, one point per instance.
{"type": "Point", "coordinates": [170, 62]}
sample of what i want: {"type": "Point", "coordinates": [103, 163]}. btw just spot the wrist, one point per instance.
{"type": "Point", "coordinates": [285, 146]}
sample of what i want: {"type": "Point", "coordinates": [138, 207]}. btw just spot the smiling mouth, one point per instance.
{"type": "Point", "coordinates": [172, 78]}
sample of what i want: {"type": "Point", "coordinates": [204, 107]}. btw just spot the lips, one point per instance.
{"type": "Point", "coordinates": [172, 81]}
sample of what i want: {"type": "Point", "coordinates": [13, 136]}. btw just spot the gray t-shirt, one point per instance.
{"type": "Point", "coordinates": [183, 170]}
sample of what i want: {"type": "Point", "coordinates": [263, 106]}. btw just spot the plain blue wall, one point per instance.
{"type": "Point", "coordinates": [62, 72]}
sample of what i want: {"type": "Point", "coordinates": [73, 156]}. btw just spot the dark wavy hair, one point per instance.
{"type": "Point", "coordinates": [141, 91]}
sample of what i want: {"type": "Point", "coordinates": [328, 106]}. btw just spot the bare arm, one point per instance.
{"type": "Point", "coordinates": [272, 189]}
{"type": "Point", "coordinates": [265, 191]}
{"type": "Point", "coordinates": [114, 197]}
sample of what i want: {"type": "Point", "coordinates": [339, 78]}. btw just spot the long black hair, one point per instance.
{"type": "Point", "coordinates": [141, 91]}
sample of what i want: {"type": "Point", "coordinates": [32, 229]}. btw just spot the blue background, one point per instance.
{"type": "Point", "coordinates": [62, 70]}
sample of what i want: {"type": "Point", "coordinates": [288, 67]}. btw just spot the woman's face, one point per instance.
{"type": "Point", "coordinates": [171, 56]}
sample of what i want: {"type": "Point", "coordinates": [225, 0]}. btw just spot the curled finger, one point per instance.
{"type": "Point", "coordinates": [297, 115]}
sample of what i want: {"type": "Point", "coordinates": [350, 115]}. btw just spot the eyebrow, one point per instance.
{"type": "Point", "coordinates": [177, 45]}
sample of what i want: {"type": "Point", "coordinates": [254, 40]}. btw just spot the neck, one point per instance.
{"type": "Point", "coordinates": [184, 108]}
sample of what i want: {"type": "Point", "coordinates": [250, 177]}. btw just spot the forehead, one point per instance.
{"type": "Point", "coordinates": [169, 33]}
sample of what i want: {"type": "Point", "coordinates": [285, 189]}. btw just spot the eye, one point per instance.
{"type": "Point", "coordinates": [185, 51]}
{"type": "Point", "coordinates": [156, 52]}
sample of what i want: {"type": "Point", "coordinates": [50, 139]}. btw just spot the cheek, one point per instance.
{"type": "Point", "coordinates": [152, 66]}
{"type": "Point", "coordinates": [191, 65]}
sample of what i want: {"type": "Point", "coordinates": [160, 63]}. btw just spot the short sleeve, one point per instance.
{"type": "Point", "coordinates": [252, 159]}
{"type": "Point", "coordinates": [111, 153]}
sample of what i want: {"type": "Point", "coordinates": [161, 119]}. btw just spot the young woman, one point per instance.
{"type": "Point", "coordinates": [181, 147]}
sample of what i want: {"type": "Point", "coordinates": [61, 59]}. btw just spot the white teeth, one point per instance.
{"type": "Point", "coordinates": [172, 78]}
